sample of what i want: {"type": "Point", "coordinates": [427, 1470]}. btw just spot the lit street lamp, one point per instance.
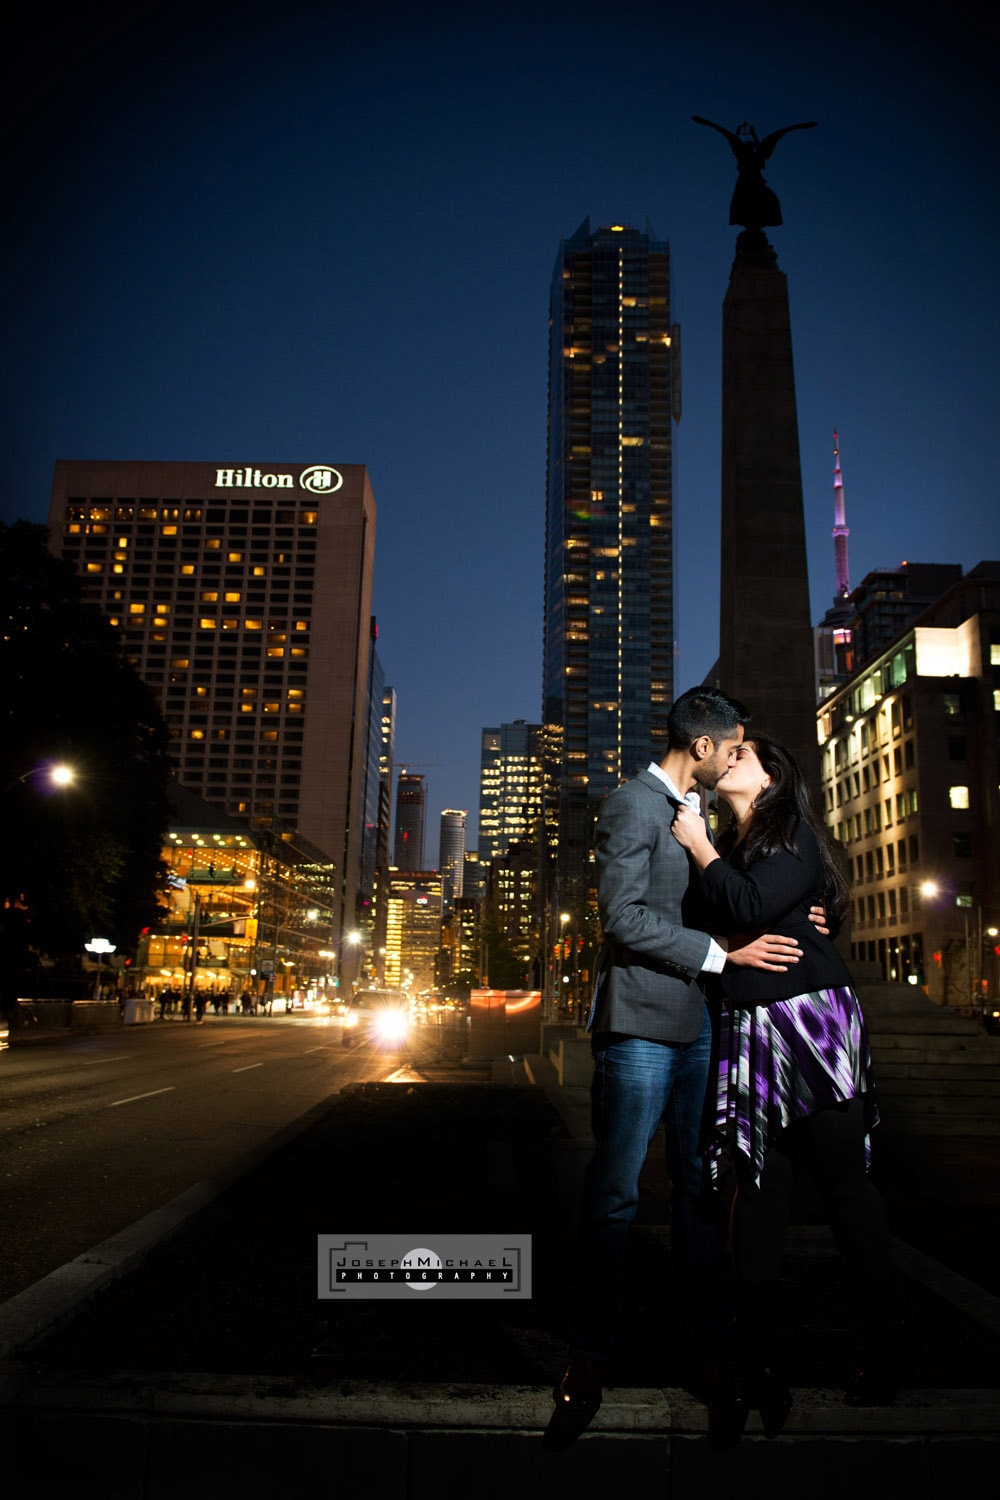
{"type": "Point", "coordinates": [99, 946]}
{"type": "Point", "coordinates": [57, 773]}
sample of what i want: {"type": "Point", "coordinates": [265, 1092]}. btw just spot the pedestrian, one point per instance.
{"type": "Point", "coordinates": [795, 1079]}
{"type": "Point", "coordinates": [651, 1042]}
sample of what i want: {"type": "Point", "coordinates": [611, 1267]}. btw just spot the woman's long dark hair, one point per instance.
{"type": "Point", "coordinates": [777, 812]}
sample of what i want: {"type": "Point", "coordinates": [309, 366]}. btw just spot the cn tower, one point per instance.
{"type": "Point", "coordinates": [841, 531]}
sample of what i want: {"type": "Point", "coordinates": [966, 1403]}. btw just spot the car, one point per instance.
{"type": "Point", "coordinates": [381, 1017]}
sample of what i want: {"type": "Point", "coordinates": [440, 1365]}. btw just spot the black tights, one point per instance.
{"type": "Point", "coordinates": [831, 1143]}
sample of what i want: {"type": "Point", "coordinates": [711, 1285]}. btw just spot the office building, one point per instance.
{"type": "Point", "coordinates": [511, 787]}
{"type": "Point", "coordinates": [413, 930]}
{"type": "Point", "coordinates": [614, 391]}
{"type": "Point", "coordinates": [451, 856]}
{"type": "Point", "coordinates": [911, 787]}
{"type": "Point", "coordinates": [243, 596]}
{"type": "Point", "coordinates": [411, 805]}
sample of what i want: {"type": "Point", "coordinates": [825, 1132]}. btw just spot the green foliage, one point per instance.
{"type": "Point", "coordinates": [84, 860]}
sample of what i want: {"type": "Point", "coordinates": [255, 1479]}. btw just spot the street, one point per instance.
{"type": "Point", "coordinates": [97, 1132]}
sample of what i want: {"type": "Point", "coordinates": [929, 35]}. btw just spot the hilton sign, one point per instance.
{"type": "Point", "coordinates": [318, 479]}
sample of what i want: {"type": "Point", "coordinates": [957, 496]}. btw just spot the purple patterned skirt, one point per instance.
{"type": "Point", "coordinates": [783, 1061]}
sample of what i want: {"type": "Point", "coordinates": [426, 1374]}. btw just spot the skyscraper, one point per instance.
{"type": "Point", "coordinates": [243, 596]}
{"type": "Point", "coordinates": [614, 387]}
{"type": "Point", "coordinates": [451, 856]}
{"type": "Point", "coordinates": [510, 787]}
{"type": "Point", "coordinates": [411, 800]}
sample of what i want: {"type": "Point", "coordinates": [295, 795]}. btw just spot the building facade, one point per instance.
{"type": "Point", "coordinates": [451, 855]}
{"type": "Point", "coordinates": [248, 916]}
{"type": "Point", "coordinates": [413, 930]}
{"type": "Point", "coordinates": [411, 807]}
{"type": "Point", "coordinates": [614, 383]}
{"type": "Point", "coordinates": [243, 595]}
{"type": "Point", "coordinates": [911, 786]}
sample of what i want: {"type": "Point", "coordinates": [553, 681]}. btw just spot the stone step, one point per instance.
{"type": "Point", "coordinates": [982, 1096]}
{"type": "Point", "coordinates": [888, 1065]}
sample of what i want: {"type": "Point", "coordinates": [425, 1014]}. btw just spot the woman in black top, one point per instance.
{"type": "Point", "coordinates": [795, 1080]}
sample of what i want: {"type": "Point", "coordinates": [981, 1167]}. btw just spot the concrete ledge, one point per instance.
{"type": "Point", "coordinates": [486, 1408]}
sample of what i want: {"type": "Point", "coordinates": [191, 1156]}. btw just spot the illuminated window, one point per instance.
{"type": "Point", "coordinates": [123, 541]}
{"type": "Point", "coordinates": [197, 734]}
{"type": "Point", "coordinates": [301, 624]}
{"type": "Point", "coordinates": [214, 544]}
{"type": "Point", "coordinates": [958, 796]}
{"type": "Point", "coordinates": [269, 734]}
{"type": "Point", "coordinates": [209, 596]}
{"type": "Point", "coordinates": [995, 656]}
{"type": "Point", "coordinates": [232, 597]}
{"type": "Point", "coordinates": [160, 620]}
{"type": "Point", "coordinates": [206, 624]}
{"type": "Point", "coordinates": [168, 530]}
{"type": "Point", "coordinates": [187, 569]}
{"type": "Point", "coordinates": [253, 624]}
{"type": "Point", "coordinates": [201, 692]}
{"type": "Point", "coordinates": [260, 572]}
{"type": "Point", "coordinates": [309, 517]}
{"type": "Point", "coordinates": [118, 568]}
{"type": "Point", "coordinates": [95, 567]}
{"type": "Point", "coordinates": [137, 609]}
{"type": "Point", "coordinates": [179, 662]}
{"type": "Point", "coordinates": [276, 651]}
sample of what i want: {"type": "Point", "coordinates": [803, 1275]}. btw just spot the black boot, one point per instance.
{"type": "Point", "coordinates": [883, 1346]}
{"type": "Point", "coordinates": [764, 1383]}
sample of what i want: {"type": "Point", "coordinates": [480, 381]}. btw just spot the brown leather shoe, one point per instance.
{"type": "Point", "coordinates": [580, 1390]}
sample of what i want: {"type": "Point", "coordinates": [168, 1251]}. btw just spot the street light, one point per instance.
{"type": "Point", "coordinates": [58, 773]}
{"type": "Point", "coordinates": [99, 946]}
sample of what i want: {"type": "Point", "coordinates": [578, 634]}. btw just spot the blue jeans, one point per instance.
{"type": "Point", "coordinates": [636, 1084]}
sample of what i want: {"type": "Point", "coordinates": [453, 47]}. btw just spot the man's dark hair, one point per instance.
{"type": "Point", "coordinates": [704, 710]}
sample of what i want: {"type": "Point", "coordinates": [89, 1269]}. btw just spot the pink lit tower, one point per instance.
{"type": "Point", "coordinates": [841, 530]}
{"type": "Point", "coordinates": [834, 647]}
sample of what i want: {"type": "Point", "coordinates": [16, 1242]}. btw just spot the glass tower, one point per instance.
{"type": "Point", "coordinates": [614, 384]}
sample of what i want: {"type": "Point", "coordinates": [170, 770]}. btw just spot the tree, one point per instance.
{"type": "Point", "coordinates": [83, 861]}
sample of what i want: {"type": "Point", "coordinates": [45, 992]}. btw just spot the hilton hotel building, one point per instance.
{"type": "Point", "coordinates": [243, 594]}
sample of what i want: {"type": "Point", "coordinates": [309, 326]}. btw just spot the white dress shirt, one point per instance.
{"type": "Point", "coordinates": [715, 958]}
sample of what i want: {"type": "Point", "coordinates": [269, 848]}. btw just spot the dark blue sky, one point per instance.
{"type": "Point", "coordinates": [301, 232]}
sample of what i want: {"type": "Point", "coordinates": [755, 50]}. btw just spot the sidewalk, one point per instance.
{"type": "Point", "coordinates": [211, 1368]}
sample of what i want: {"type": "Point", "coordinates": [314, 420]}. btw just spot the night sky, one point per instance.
{"type": "Point", "coordinates": [323, 233]}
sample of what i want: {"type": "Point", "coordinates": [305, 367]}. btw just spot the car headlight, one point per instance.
{"type": "Point", "coordinates": [391, 1026]}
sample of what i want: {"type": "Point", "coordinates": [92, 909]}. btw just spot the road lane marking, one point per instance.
{"type": "Point", "coordinates": [317, 1049]}
{"type": "Point", "coordinates": [94, 1061]}
{"type": "Point", "coordinates": [133, 1097]}
{"type": "Point", "coordinates": [248, 1067]}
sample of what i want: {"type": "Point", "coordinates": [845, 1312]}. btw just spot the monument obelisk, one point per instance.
{"type": "Point", "coordinates": [765, 632]}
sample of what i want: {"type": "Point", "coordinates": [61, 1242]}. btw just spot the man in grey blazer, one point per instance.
{"type": "Point", "coordinates": [652, 1043]}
